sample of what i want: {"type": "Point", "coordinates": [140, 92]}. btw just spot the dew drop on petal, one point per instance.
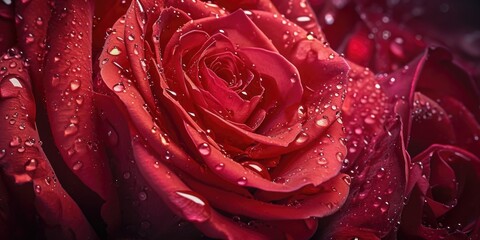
{"type": "Point", "coordinates": [303, 19]}
{"type": "Point", "coordinates": [70, 129]}
{"type": "Point", "coordinates": [21, 149]}
{"type": "Point", "coordinates": [347, 179]}
{"type": "Point", "coordinates": [220, 166]}
{"type": "Point", "coordinates": [322, 161]}
{"type": "Point", "coordinates": [171, 92]}
{"type": "Point", "coordinates": [79, 99]}
{"type": "Point", "coordinates": [119, 87]}
{"type": "Point", "coordinates": [279, 180]}
{"type": "Point", "coordinates": [31, 165]}
{"type": "Point", "coordinates": [38, 189]}
{"type": "Point", "coordinates": [15, 82]}
{"type": "Point", "coordinates": [77, 166]}
{"type": "Point", "coordinates": [192, 197]}
{"type": "Point", "coordinates": [302, 137]}
{"type": "Point", "coordinates": [29, 38]}
{"type": "Point", "coordinates": [142, 196]}
{"type": "Point", "coordinates": [15, 141]}
{"type": "Point", "coordinates": [55, 80]}
{"type": "Point", "coordinates": [242, 181]}
{"type": "Point", "coordinates": [257, 168]}
{"type": "Point", "coordinates": [329, 19]}
{"type": "Point", "coordinates": [75, 85]}
{"type": "Point", "coordinates": [3, 152]}
{"type": "Point", "coordinates": [115, 51]}
{"type": "Point", "coordinates": [322, 122]}
{"type": "Point", "coordinates": [204, 149]}
{"type": "Point", "coordinates": [339, 156]}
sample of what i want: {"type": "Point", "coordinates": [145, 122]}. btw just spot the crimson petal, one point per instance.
{"type": "Point", "coordinates": [69, 101]}
{"type": "Point", "coordinates": [23, 160]}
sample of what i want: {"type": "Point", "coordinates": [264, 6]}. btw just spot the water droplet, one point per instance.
{"type": "Point", "coordinates": [39, 21]}
{"type": "Point", "coordinates": [302, 137]}
{"type": "Point", "coordinates": [38, 189]}
{"type": "Point", "coordinates": [115, 51]}
{"type": "Point", "coordinates": [329, 19]}
{"type": "Point", "coordinates": [112, 137]}
{"type": "Point", "coordinates": [15, 82]}
{"type": "Point", "coordinates": [369, 120]}
{"type": "Point", "coordinates": [70, 129]}
{"type": "Point", "coordinates": [339, 156]}
{"type": "Point", "coordinates": [3, 152]}
{"type": "Point", "coordinates": [322, 122]}
{"type": "Point", "coordinates": [192, 197]}
{"type": "Point", "coordinates": [279, 180]}
{"type": "Point", "coordinates": [358, 131]}
{"type": "Point", "coordinates": [303, 19]}
{"type": "Point", "coordinates": [322, 161]}
{"type": "Point", "coordinates": [31, 165]}
{"type": "Point", "coordinates": [29, 38]}
{"type": "Point", "coordinates": [204, 149]}
{"type": "Point", "coordinates": [15, 141]}
{"type": "Point", "coordinates": [126, 175]}
{"type": "Point", "coordinates": [55, 80]}
{"type": "Point", "coordinates": [142, 196]}
{"type": "Point", "coordinates": [242, 181]}
{"type": "Point", "coordinates": [331, 56]}
{"type": "Point", "coordinates": [75, 85]}
{"type": "Point", "coordinates": [294, 78]}
{"type": "Point", "coordinates": [347, 179]}
{"type": "Point", "coordinates": [168, 155]}
{"type": "Point", "coordinates": [21, 149]}
{"type": "Point", "coordinates": [77, 166]}
{"type": "Point", "coordinates": [74, 119]}
{"type": "Point", "coordinates": [171, 93]}
{"type": "Point", "coordinates": [383, 209]}
{"type": "Point", "coordinates": [119, 87]}
{"type": "Point", "coordinates": [257, 168]}
{"type": "Point", "coordinates": [12, 121]}
{"type": "Point", "coordinates": [220, 166]}
{"type": "Point", "coordinates": [131, 37]}
{"type": "Point", "coordinates": [79, 100]}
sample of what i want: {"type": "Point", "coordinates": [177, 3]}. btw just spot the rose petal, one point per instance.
{"type": "Point", "coordinates": [264, 5]}
{"type": "Point", "coordinates": [107, 12]}
{"type": "Point", "coordinates": [440, 78]}
{"type": "Point", "coordinates": [430, 125]}
{"type": "Point", "coordinates": [378, 189]}
{"type": "Point", "coordinates": [425, 177]}
{"type": "Point", "coordinates": [466, 127]}
{"type": "Point", "coordinates": [323, 203]}
{"type": "Point", "coordinates": [197, 9]}
{"type": "Point", "coordinates": [69, 101]}
{"type": "Point", "coordinates": [23, 160]}
{"type": "Point", "coordinates": [300, 13]}
{"type": "Point", "coordinates": [142, 216]}
{"type": "Point", "coordinates": [7, 24]}
{"type": "Point", "coordinates": [32, 31]}
{"type": "Point", "coordinates": [184, 202]}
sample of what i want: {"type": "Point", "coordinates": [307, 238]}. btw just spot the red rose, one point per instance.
{"type": "Point", "coordinates": [405, 101]}
{"type": "Point", "coordinates": [200, 117]}
{"type": "Point", "coordinates": [221, 119]}
{"type": "Point", "coordinates": [228, 121]}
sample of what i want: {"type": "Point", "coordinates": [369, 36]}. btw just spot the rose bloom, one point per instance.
{"type": "Point", "coordinates": [239, 119]}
